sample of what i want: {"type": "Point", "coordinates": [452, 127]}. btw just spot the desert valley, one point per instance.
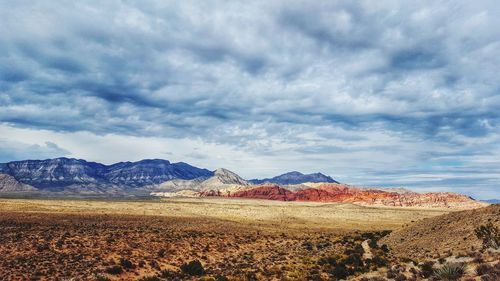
{"type": "Point", "coordinates": [69, 219]}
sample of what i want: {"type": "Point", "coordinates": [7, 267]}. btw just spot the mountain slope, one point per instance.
{"type": "Point", "coordinates": [295, 178]}
{"type": "Point", "coordinates": [10, 184]}
{"type": "Point", "coordinates": [222, 183]}
{"type": "Point", "coordinates": [148, 172]}
{"type": "Point", "coordinates": [58, 173]}
{"type": "Point", "coordinates": [179, 185]}
{"type": "Point", "coordinates": [453, 232]}
{"type": "Point", "coordinates": [222, 179]}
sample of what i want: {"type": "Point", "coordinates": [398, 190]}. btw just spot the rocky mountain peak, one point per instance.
{"type": "Point", "coordinates": [225, 176]}
{"type": "Point", "coordinates": [293, 174]}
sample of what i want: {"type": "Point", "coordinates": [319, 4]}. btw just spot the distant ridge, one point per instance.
{"type": "Point", "coordinates": [81, 176]}
{"type": "Point", "coordinates": [295, 178]}
{"type": "Point", "coordinates": [492, 201]}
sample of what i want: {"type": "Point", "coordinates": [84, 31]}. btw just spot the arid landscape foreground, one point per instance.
{"type": "Point", "coordinates": [233, 239]}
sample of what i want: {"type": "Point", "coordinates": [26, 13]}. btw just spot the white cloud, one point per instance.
{"type": "Point", "coordinates": [347, 88]}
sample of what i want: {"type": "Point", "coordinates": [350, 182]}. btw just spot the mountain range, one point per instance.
{"type": "Point", "coordinates": [62, 174]}
{"type": "Point", "coordinates": [156, 177]}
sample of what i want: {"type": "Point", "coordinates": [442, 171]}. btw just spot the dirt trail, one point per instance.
{"type": "Point", "coordinates": [368, 252]}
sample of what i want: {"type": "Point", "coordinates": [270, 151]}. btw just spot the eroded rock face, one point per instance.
{"type": "Point", "coordinates": [10, 184]}
{"type": "Point", "coordinates": [269, 192]}
{"type": "Point", "coordinates": [50, 172]}
{"type": "Point", "coordinates": [339, 193]}
{"type": "Point", "coordinates": [221, 179]}
{"type": "Point", "coordinates": [148, 172]}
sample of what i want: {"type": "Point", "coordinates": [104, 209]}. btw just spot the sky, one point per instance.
{"type": "Point", "coordinates": [372, 93]}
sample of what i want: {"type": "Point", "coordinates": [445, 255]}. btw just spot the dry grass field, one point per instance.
{"type": "Point", "coordinates": [263, 213]}
{"type": "Point", "coordinates": [195, 239]}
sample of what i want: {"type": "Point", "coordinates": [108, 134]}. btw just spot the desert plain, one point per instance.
{"type": "Point", "coordinates": [197, 239]}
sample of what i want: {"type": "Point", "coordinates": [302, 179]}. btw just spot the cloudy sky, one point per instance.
{"type": "Point", "coordinates": [375, 93]}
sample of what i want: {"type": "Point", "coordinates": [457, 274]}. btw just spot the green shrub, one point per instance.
{"type": "Point", "coordinates": [483, 269]}
{"type": "Point", "coordinates": [354, 260]}
{"type": "Point", "coordinates": [450, 271]}
{"type": "Point", "coordinates": [154, 264]}
{"type": "Point", "coordinates": [314, 276]}
{"type": "Point", "coordinates": [126, 263]}
{"type": "Point", "coordinates": [168, 274]}
{"type": "Point", "coordinates": [359, 249]}
{"type": "Point", "coordinates": [400, 277]}
{"type": "Point", "coordinates": [308, 245]}
{"type": "Point", "coordinates": [426, 269]}
{"type": "Point", "coordinates": [115, 270]}
{"type": "Point", "coordinates": [385, 233]}
{"type": "Point", "coordinates": [490, 277]}
{"type": "Point", "coordinates": [327, 260]}
{"type": "Point", "coordinates": [490, 235]}
{"type": "Point", "coordinates": [379, 262]}
{"type": "Point", "coordinates": [161, 253]}
{"type": "Point", "coordinates": [391, 274]}
{"type": "Point", "coordinates": [250, 276]}
{"type": "Point", "coordinates": [340, 271]}
{"type": "Point", "coordinates": [193, 268]}
{"type": "Point", "coordinates": [385, 248]}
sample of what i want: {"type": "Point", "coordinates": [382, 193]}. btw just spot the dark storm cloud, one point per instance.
{"type": "Point", "coordinates": [264, 77]}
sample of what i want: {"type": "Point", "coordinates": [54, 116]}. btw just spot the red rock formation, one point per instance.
{"type": "Point", "coordinates": [270, 192]}
{"type": "Point", "coordinates": [332, 192]}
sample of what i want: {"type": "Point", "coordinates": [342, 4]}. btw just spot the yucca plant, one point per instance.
{"type": "Point", "coordinates": [450, 271]}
